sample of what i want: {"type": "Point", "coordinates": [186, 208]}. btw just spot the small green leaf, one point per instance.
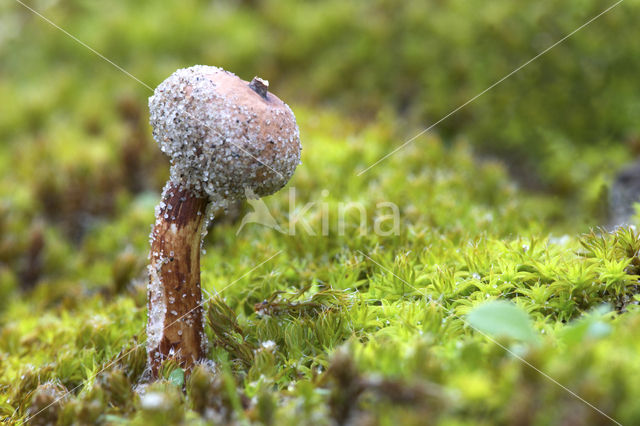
{"type": "Point", "coordinates": [590, 326]}
{"type": "Point", "coordinates": [177, 377]}
{"type": "Point", "coordinates": [502, 319]}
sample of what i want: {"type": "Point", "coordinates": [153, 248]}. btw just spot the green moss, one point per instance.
{"type": "Point", "coordinates": [394, 306]}
{"type": "Point", "coordinates": [340, 322]}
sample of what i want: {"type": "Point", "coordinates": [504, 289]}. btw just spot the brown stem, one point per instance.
{"type": "Point", "coordinates": [175, 327]}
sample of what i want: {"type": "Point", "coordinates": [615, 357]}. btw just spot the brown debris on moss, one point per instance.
{"type": "Point", "coordinates": [281, 303]}
{"type": "Point", "coordinates": [349, 387]}
{"type": "Point", "coordinates": [46, 404]}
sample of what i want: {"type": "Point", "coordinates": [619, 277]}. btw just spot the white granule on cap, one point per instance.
{"type": "Point", "coordinates": [221, 136]}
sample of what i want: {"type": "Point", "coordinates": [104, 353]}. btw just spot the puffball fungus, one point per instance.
{"type": "Point", "coordinates": [224, 138]}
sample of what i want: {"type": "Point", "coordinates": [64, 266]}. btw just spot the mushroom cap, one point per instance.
{"type": "Point", "coordinates": [225, 137]}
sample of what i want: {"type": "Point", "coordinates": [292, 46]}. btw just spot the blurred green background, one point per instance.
{"type": "Point", "coordinates": [415, 59]}
{"type": "Point", "coordinates": [76, 147]}
{"type": "Point", "coordinates": [80, 174]}
{"type": "Point", "coordinates": [551, 122]}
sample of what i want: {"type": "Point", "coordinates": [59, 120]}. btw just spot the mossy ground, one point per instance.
{"type": "Point", "coordinates": [316, 327]}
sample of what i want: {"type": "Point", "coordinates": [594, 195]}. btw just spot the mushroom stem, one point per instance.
{"type": "Point", "coordinates": [176, 323]}
{"type": "Point", "coordinates": [223, 136]}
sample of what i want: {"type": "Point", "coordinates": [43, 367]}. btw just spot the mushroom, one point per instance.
{"type": "Point", "coordinates": [225, 138]}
